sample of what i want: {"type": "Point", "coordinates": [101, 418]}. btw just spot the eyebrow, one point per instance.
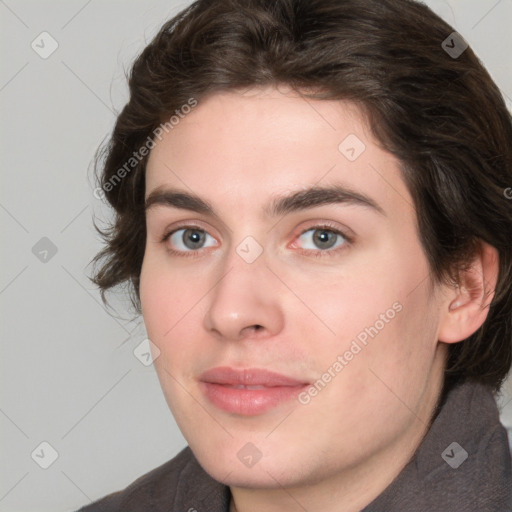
{"type": "Point", "coordinates": [301, 200]}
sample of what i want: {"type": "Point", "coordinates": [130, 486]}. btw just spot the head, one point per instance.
{"type": "Point", "coordinates": [337, 180]}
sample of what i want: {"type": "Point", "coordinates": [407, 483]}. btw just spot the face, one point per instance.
{"type": "Point", "coordinates": [289, 297]}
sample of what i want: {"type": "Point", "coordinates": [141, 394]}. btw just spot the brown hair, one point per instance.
{"type": "Point", "coordinates": [440, 114]}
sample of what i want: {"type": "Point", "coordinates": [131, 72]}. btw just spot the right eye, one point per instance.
{"type": "Point", "coordinates": [188, 239]}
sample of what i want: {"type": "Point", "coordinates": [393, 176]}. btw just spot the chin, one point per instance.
{"type": "Point", "coordinates": [231, 465]}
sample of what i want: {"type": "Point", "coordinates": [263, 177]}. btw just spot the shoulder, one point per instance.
{"type": "Point", "coordinates": [474, 468]}
{"type": "Point", "coordinates": [153, 491]}
{"type": "Point", "coordinates": [463, 463]}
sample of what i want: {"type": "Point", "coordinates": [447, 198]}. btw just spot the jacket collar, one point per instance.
{"type": "Point", "coordinates": [463, 463]}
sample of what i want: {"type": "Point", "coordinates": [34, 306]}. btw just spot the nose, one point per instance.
{"type": "Point", "coordinates": [245, 302]}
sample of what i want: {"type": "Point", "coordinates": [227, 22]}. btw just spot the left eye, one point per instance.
{"type": "Point", "coordinates": [322, 238]}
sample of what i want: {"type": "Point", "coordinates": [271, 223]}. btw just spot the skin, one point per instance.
{"type": "Point", "coordinates": [238, 150]}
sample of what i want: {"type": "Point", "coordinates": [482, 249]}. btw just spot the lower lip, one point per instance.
{"type": "Point", "coordinates": [249, 402]}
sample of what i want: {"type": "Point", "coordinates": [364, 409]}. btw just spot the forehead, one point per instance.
{"type": "Point", "coordinates": [267, 142]}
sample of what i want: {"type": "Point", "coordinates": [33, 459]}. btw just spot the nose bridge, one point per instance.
{"type": "Point", "coordinates": [243, 296]}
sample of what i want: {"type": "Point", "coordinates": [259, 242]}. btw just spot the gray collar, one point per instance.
{"type": "Point", "coordinates": [463, 463]}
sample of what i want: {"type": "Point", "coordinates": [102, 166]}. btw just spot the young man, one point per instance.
{"type": "Point", "coordinates": [311, 210]}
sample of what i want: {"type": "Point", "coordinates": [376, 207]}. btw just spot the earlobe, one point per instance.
{"type": "Point", "coordinates": [467, 305]}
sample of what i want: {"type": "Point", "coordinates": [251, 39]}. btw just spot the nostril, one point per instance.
{"type": "Point", "coordinates": [253, 331]}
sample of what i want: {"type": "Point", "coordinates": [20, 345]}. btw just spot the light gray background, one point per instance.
{"type": "Point", "coordinates": [68, 373]}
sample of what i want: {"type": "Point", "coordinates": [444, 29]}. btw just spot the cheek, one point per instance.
{"type": "Point", "coordinates": [346, 304]}
{"type": "Point", "coordinates": [155, 300]}
{"type": "Point", "coordinates": [165, 300]}
{"type": "Point", "coordinates": [382, 304]}
{"type": "Point", "coordinates": [166, 296]}
{"type": "Point", "coordinates": [368, 284]}
{"type": "Point", "coordinates": [173, 308]}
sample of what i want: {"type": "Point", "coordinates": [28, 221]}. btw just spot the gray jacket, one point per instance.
{"type": "Point", "coordinates": [462, 465]}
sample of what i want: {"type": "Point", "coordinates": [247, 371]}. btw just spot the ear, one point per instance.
{"type": "Point", "coordinates": [467, 305]}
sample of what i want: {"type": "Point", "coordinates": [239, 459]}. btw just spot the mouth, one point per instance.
{"type": "Point", "coordinates": [249, 391]}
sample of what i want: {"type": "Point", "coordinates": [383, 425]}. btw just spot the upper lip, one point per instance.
{"type": "Point", "coordinates": [248, 377]}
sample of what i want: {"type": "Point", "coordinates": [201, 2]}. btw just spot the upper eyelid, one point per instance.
{"type": "Point", "coordinates": [329, 225]}
{"type": "Point", "coordinates": [158, 211]}
{"type": "Point", "coordinates": [169, 230]}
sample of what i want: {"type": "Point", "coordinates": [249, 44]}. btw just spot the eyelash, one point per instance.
{"type": "Point", "coordinates": [318, 253]}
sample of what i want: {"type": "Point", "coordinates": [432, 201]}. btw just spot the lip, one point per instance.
{"type": "Point", "coordinates": [248, 391]}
